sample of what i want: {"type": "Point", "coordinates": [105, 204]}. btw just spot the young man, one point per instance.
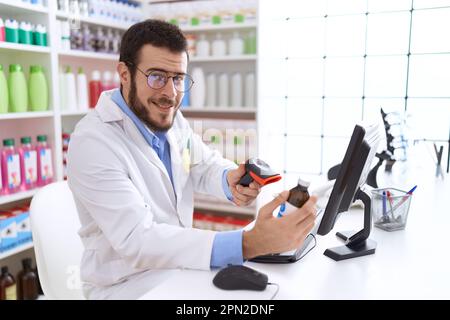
{"type": "Point", "coordinates": [133, 180]}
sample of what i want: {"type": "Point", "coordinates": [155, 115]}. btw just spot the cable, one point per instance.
{"type": "Point", "coordinates": [315, 242]}
{"type": "Point", "coordinates": [276, 292]}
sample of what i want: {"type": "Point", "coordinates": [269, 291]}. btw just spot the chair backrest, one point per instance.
{"type": "Point", "coordinates": [58, 248]}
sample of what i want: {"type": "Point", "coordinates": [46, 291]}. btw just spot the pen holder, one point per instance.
{"type": "Point", "coordinates": [390, 208]}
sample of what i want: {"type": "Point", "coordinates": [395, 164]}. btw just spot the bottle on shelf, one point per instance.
{"type": "Point", "coordinates": [2, 30]}
{"type": "Point", "coordinates": [223, 90]}
{"type": "Point", "coordinates": [45, 163]}
{"type": "Point", "coordinates": [202, 46]}
{"type": "Point", "coordinates": [219, 47]}
{"type": "Point", "coordinates": [12, 30]}
{"type": "Point", "coordinates": [28, 164]}
{"type": "Point", "coordinates": [236, 45]}
{"type": "Point", "coordinates": [76, 39]}
{"type": "Point", "coordinates": [100, 41]}
{"type": "Point", "coordinates": [17, 86]}
{"type": "Point", "coordinates": [250, 43]}
{"type": "Point", "coordinates": [8, 287]}
{"type": "Point", "coordinates": [27, 286]}
{"type": "Point", "coordinates": [4, 98]}
{"type": "Point", "coordinates": [250, 100]}
{"type": "Point", "coordinates": [63, 6]}
{"type": "Point", "coordinates": [236, 90]}
{"type": "Point", "coordinates": [40, 35]}
{"type": "Point", "coordinates": [198, 92]}
{"type": "Point", "coordinates": [211, 85]}
{"type": "Point", "coordinates": [82, 98]}
{"type": "Point", "coordinates": [65, 36]}
{"type": "Point", "coordinates": [11, 167]}
{"type": "Point", "coordinates": [88, 39]}
{"type": "Point", "coordinates": [107, 83]}
{"type": "Point", "coordinates": [109, 40]}
{"type": "Point", "coordinates": [95, 88]}
{"type": "Point", "coordinates": [25, 33]}
{"type": "Point", "coordinates": [70, 92]}
{"type": "Point", "coordinates": [38, 89]}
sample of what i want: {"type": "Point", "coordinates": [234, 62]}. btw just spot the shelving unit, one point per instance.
{"type": "Point", "coordinates": [16, 250]}
{"type": "Point", "coordinates": [26, 115]}
{"type": "Point", "coordinates": [217, 64]}
{"type": "Point", "coordinates": [92, 21]}
{"type": "Point", "coordinates": [8, 7]}
{"type": "Point", "coordinates": [89, 55]}
{"type": "Point", "coordinates": [4, 46]}
{"type": "Point", "coordinates": [17, 196]}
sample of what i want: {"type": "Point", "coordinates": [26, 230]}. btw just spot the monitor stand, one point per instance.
{"type": "Point", "coordinates": [356, 244]}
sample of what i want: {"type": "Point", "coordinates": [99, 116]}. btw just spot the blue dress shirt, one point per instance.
{"type": "Point", "coordinates": [227, 246]}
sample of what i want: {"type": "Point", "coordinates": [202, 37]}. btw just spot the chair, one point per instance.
{"type": "Point", "coordinates": [58, 248]}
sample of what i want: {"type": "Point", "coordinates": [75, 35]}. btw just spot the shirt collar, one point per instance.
{"type": "Point", "coordinates": [157, 138]}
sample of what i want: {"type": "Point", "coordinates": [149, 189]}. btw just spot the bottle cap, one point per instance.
{"type": "Point", "coordinates": [25, 140]}
{"type": "Point", "coordinates": [8, 142]}
{"type": "Point", "coordinates": [42, 138]}
{"type": "Point", "coordinates": [26, 263]}
{"type": "Point", "coordinates": [96, 75]}
{"type": "Point", "coordinates": [35, 69]}
{"type": "Point", "coordinates": [80, 70]}
{"type": "Point", "coordinates": [15, 67]}
{"type": "Point", "coordinates": [303, 183]}
{"type": "Point", "coordinates": [68, 69]}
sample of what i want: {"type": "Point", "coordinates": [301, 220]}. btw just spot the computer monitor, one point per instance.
{"type": "Point", "coordinates": [351, 177]}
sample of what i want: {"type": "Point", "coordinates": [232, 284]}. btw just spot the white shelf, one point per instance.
{"type": "Point", "coordinates": [23, 47]}
{"type": "Point", "coordinates": [214, 109]}
{"type": "Point", "coordinates": [226, 208]}
{"type": "Point", "coordinates": [12, 6]}
{"type": "Point", "coordinates": [74, 113]}
{"type": "Point", "coordinates": [219, 27]}
{"type": "Point", "coordinates": [16, 250]}
{"type": "Point", "coordinates": [89, 55]}
{"type": "Point", "coordinates": [94, 21]}
{"type": "Point", "coordinates": [18, 196]}
{"type": "Point", "coordinates": [26, 115]}
{"type": "Point", "coordinates": [244, 57]}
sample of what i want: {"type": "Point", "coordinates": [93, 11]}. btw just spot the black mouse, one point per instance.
{"type": "Point", "coordinates": [240, 278]}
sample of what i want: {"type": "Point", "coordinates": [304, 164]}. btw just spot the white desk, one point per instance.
{"type": "Point", "coordinates": [410, 264]}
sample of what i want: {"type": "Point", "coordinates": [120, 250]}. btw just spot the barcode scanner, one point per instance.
{"type": "Point", "coordinates": [259, 171]}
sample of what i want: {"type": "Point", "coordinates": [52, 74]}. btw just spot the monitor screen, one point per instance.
{"type": "Point", "coordinates": [352, 174]}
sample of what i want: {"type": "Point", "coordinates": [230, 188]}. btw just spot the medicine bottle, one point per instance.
{"type": "Point", "coordinates": [27, 285]}
{"type": "Point", "coordinates": [297, 198]}
{"type": "Point", "coordinates": [8, 289]}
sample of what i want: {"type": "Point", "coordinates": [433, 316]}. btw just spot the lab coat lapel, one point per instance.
{"type": "Point", "coordinates": [180, 176]}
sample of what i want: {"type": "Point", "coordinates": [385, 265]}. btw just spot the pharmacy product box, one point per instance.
{"type": "Point", "coordinates": [8, 231]}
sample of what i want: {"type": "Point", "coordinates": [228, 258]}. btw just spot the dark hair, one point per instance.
{"type": "Point", "coordinates": [158, 33]}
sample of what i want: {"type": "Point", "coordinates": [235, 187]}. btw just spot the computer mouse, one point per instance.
{"type": "Point", "coordinates": [240, 278]}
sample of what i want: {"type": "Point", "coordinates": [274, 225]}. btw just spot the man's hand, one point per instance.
{"type": "Point", "coordinates": [242, 196]}
{"type": "Point", "coordinates": [275, 235]}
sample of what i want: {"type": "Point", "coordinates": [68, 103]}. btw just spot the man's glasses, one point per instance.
{"type": "Point", "coordinates": [157, 79]}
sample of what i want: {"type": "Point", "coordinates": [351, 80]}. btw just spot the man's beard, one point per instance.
{"type": "Point", "coordinates": [141, 112]}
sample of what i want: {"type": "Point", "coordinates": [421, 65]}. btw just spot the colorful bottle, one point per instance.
{"type": "Point", "coordinates": [17, 86]}
{"type": "Point", "coordinates": [40, 35]}
{"type": "Point", "coordinates": [12, 30]}
{"type": "Point", "coordinates": [4, 99]}
{"type": "Point", "coordinates": [38, 89]}
{"type": "Point", "coordinates": [28, 164]}
{"type": "Point", "coordinates": [25, 33]}
{"type": "Point", "coordinates": [10, 167]}
{"type": "Point", "coordinates": [8, 288]}
{"type": "Point", "coordinates": [27, 285]}
{"type": "Point", "coordinates": [2, 31]}
{"type": "Point", "coordinates": [95, 89]}
{"type": "Point", "coordinates": [45, 163]}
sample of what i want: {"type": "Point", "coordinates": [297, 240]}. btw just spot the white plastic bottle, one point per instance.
{"type": "Point", "coordinates": [71, 92]}
{"type": "Point", "coordinates": [107, 81]}
{"type": "Point", "coordinates": [236, 90]}
{"type": "Point", "coordinates": [223, 90]}
{"type": "Point", "coordinates": [83, 102]}
{"type": "Point", "coordinates": [236, 45]}
{"type": "Point", "coordinates": [198, 91]}
{"type": "Point", "coordinates": [211, 85]}
{"type": "Point", "coordinates": [65, 35]}
{"type": "Point", "coordinates": [202, 47]}
{"type": "Point", "coordinates": [219, 47]}
{"type": "Point", "coordinates": [250, 99]}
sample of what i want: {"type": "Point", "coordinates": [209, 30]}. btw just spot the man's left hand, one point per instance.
{"type": "Point", "coordinates": [242, 196]}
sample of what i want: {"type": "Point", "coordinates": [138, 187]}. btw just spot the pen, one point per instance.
{"type": "Point", "coordinates": [384, 206]}
{"type": "Point", "coordinates": [390, 204]}
{"type": "Point", "coordinates": [282, 206]}
{"type": "Point", "coordinates": [406, 197]}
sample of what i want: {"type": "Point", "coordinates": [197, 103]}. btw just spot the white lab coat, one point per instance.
{"type": "Point", "coordinates": [132, 221]}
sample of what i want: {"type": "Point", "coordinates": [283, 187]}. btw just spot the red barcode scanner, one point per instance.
{"type": "Point", "coordinates": [259, 171]}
